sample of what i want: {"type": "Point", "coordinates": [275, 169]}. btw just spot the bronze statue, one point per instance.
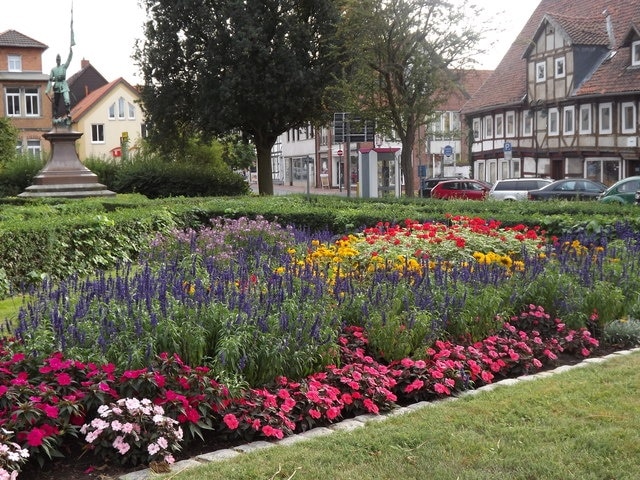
{"type": "Point", "coordinates": [58, 80]}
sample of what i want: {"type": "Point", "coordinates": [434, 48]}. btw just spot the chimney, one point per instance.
{"type": "Point", "coordinates": [612, 38]}
{"type": "Point", "coordinates": [84, 63]}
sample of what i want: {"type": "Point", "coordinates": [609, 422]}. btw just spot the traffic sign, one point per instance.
{"type": "Point", "coordinates": [507, 146]}
{"type": "Point", "coordinates": [448, 150]}
{"type": "Point", "coordinates": [340, 153]}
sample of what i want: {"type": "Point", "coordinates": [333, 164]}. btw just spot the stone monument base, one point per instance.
{"type": "Point", "coordinates": [64, 175]}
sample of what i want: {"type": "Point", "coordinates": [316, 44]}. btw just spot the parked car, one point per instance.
{"type": "Point", "coordinates": [511, 189]}
{"type": "Point", "coordinates": [623, 191]}
{"type": "Point", "coordinates": [569, 189]}
{"type": "Point", "coordinates": [464, 188]}
{"type": "Point", "coordinates": [428, 183]}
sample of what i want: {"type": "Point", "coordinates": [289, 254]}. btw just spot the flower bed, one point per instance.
{"type": "Point", "coordinates": [303, 331]}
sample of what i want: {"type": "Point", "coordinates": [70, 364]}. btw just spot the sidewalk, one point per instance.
{"type": "Point", "coordinates": [302, 190]}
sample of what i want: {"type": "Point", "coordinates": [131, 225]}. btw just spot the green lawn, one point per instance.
{"type": "Point", "coordinates": [580, 424]}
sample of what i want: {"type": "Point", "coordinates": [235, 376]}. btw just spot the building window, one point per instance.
{"type": "Point", "coordinates": [121, 108]}
{"type": "Point", "coordinates": [33, 148]}
{"type": "Point", "coordinates": [488, 127]}
{"type": "Point", "coordinates": [628, 111]}
{"type": "Point", "coordinates": [112, 111]}
{"type": "Point", "coordinates": [510, 124]}
{"type": "Point", "coordinates": [605, 118]}
{"type": "Point", "coordinates": [476, 129]}
{"type": "Point", "coordinates": [585, 119]}
{"type": "Point", "coordinates": [15, 63]}
{"type": "Point", "coordinates": [527, 123]}
{"type": "Point", "coordinates": [32, 102]}
{"type": "Point", "coordinates": [132, 111]}
{"type": "Point", "coordinates": [541, 71]}
{"type": "Point", "coordinates": [499, 126]}
{"type": "Point", "coordinates": [568, 126]}
{"type": "Point", "coordinates": [97, 133]}
{"type": "Point", "coordinates": [12, 100]}
{"type": "Point", "coordinates": [552, 119]}
{"type": "Point", "coordinates": [560, 67]}
{"type": "Point", "coordinates": [635, 54]}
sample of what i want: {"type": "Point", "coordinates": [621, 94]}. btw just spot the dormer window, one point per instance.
{"type": "Point", "coordinates": [560, 68]}
{"type": "Point", "coordinates": [15, 63]}
{"type": "Point", "coordinates": [635, 54]}
{"type": "Point", "coordinates": [541, 71]}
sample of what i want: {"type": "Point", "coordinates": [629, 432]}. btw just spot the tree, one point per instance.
{"type": "Point", "coordinates": [215, 66]}
{"type": "Point", "coordinates": [403, 58]}
{"type": "Point", "coordinates": [8, 140]}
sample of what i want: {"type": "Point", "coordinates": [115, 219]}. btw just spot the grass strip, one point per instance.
{"type": "Point", "coordinates": [580, 424]}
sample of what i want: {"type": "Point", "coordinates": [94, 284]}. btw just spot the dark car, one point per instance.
{"type": "Point", "coordinates": [569, 189]}
{"type": "Point", "coordinates": [428, 183]}
{"type": "Point", "coordinates": [463, 188]}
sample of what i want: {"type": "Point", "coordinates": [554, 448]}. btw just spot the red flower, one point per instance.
{"type": "Point", "coordinates": [230, 421]}
{"type": "Point", "coordinates": [63, 379]}
{"type": "Point", "coordinates": [35, 436]}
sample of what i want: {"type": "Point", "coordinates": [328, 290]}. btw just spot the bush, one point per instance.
{"type": "Point", "coordinates": [624, 333]}
{"type": "Point", "coordinates": [18, 174]}
{"type": "Point", "coordinates": [156, 178]}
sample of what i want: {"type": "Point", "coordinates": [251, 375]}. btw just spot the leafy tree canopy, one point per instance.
{"type": "Point", "coordinates": [404, 57]}
{"type": "Point", "coordinates": [215, 66]}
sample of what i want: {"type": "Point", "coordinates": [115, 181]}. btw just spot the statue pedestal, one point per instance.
{"type": "Point", "coordinates": [64, 175]}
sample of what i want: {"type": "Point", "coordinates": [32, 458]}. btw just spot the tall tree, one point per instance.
{"type": "Point", "coordinates": [403, 57]}
{"type": "Point", "coordinates": [256, 66]}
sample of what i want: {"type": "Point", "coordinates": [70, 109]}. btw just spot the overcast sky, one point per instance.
{"type": "Point", "coordinates": [106, 30]}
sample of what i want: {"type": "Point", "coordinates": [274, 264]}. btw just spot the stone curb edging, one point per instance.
{"type": "Point", "coordinates": [357, 422]}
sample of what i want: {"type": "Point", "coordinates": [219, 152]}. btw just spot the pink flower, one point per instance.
{"type": "Point", "coordinates": [333, 413]}
{"type": "Point", "coordinates": [370, 406]}
{"type": "Point", "coordinates": [313, 413]}
{"type": "Point", "coordinates": [230, 421]}
{"type": "Point", "coordinates": [441, 389]}
{"type": "Point", "coordinates": [63, 379]}
{"type": "Point", "coordinates": [35, 437]}
{"type": "Point", "coordinates": [269, 431]}
{"type": "Point", "coordinates": [415, 385]}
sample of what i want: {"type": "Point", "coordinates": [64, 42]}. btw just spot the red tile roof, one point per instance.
{"type": "Point", "coordinates": [507, 86]}
{"type": "Point", "coordinates": [11, 38]}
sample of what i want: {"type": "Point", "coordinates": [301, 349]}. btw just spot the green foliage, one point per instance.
{"type": "Point", "coordinates": [18, 173]}
{"type": "Point", "coordinates": [201, 174]}
{"type": "Point", "coordinates": [272, 76]}
{"type": "Point", "coordinates": [8, 140]}
{"type": "Point", "coordinates": [238, 153]}
{"type": "Point", "coordinates": [623, 333]}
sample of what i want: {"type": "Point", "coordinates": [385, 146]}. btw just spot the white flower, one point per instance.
{"type": "Point", "coordinates": [103, 410]}
{"type": "Point", "coordinates": [153, 448]}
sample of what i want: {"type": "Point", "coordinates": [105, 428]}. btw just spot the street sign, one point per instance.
{"type": "Point", "coordinates": [507, 151]}
{"type": "Point", "coordinates": [340, 153]}
{"type": "Point", "coordinates": [448, 151]}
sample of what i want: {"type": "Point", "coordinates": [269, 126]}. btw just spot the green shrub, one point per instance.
{"type": "Point", "coordinates": [18, 173]}
{"type": "Point", "coordinates": [624, 333]}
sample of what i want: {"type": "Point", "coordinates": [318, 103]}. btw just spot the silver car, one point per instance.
{"type": "Point", "coordinates": [512, 189]}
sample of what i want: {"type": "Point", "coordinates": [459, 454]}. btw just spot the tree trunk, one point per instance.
{"type": "Point", "coordinates": [265, 176]}
{"type": "Point", "coordinates": [406, 160]}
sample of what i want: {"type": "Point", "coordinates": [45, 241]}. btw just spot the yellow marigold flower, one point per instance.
{"type": "Point", "coordinates": [279, 270]}
{"type": "Point", "coordinates": [506, 261]}
{"type": "Point", "coordinates": [518, 265]}
{"type": "Point", "coordinates": [291, 251]}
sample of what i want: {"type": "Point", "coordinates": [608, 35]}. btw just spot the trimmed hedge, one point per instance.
{"type": "Point", "coordinates": [59, 237]}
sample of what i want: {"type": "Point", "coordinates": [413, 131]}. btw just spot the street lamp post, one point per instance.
{"type": "Point", "coordinates": [308, 161]}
